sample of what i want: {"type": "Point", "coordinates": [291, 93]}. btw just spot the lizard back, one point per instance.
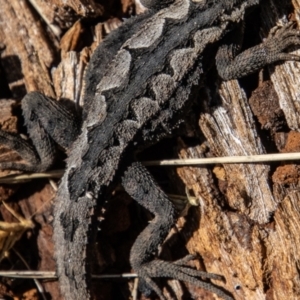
{"type": "Point", "coordinates": [135, 93]}
{"type": "Point", "coordinates": [146, 79]}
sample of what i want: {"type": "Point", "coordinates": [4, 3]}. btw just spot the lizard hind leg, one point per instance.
{"type": "Point", "coordinates": [139, 184]}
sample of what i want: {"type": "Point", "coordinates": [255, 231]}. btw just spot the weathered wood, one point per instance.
{"type": "Point", "coordinates": [248, 217]}
{"type": "Point", "coordinates": [247, 224]}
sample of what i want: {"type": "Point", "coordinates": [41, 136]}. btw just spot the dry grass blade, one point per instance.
{"type": "Point", "coordinates": [37, 283]}
{"type": "Point", "coordinates": [262, 158]}
{"type": "Point", "coordinates": [52, 275]}
{"type": "Point", "coordinates": [10, 233]}
{"type": "Point", "coordinates": [16, 179]}
{"type": "Point", "coordinates": [29, 274]}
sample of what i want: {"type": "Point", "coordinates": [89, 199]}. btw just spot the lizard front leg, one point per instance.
{"type": "Point", "coordinates": [231, 65]}
{"type": "Point", "coordinates": [139, 184]}
{"type": "Point", "coordinates": [47, 121]}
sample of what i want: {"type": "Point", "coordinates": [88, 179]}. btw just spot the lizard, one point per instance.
{"type": "Point", "coordinates": [138, 85]}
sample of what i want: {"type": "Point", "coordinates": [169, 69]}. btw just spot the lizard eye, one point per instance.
{"type": "Point", "coordinates": [156, 4]}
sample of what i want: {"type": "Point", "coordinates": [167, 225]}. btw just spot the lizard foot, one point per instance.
{"type": "Point", "coordinates": [176, 270]}
{"type": "Point", "coordinates": [279, 40]}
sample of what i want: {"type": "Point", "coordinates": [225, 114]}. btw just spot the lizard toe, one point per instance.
{"type": "Point", "coordinates": [160, 268]}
